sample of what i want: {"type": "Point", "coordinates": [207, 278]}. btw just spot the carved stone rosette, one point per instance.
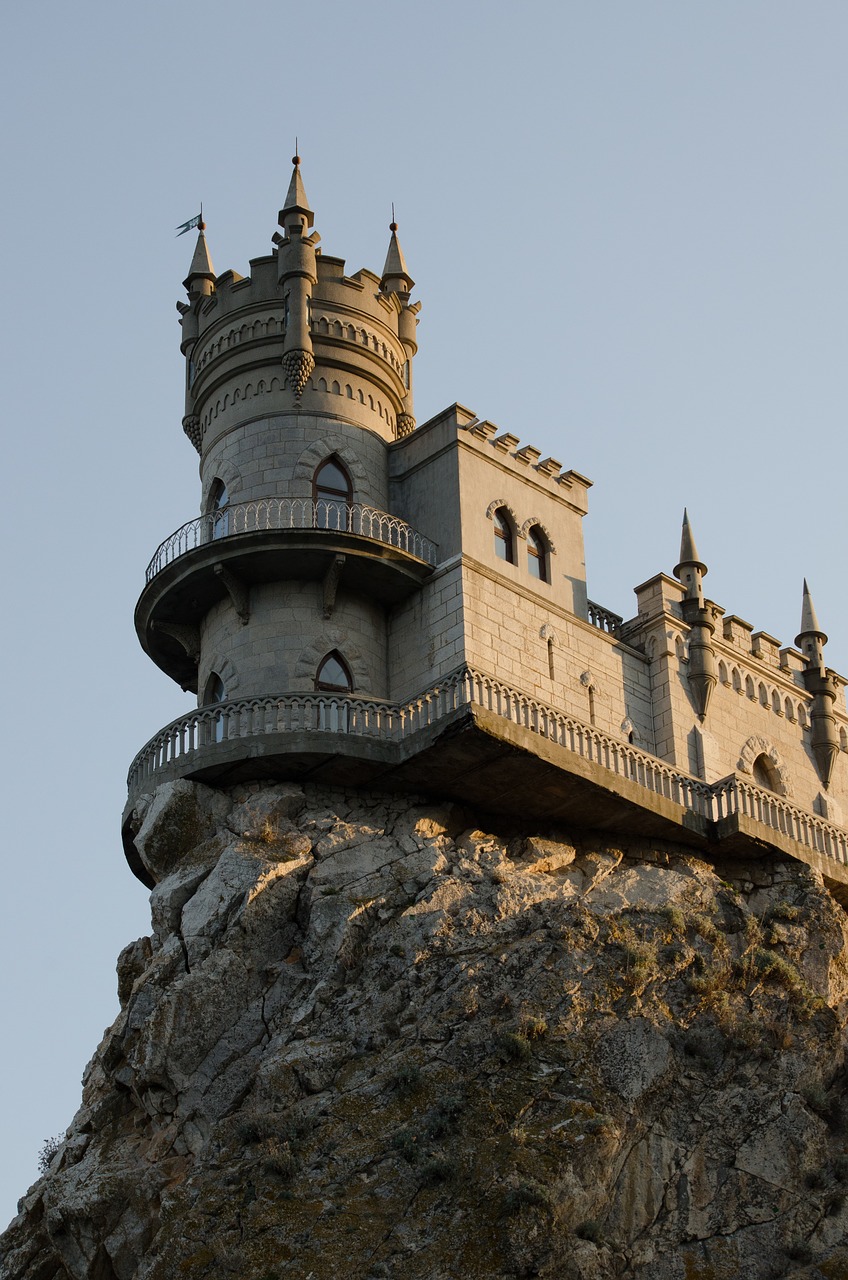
{"type": "Point", "coordinates": [191, 426]}
{"type": "Point", "coordinates": [298, 366]}
{"type": "Point", "coordinates": [405, 425]}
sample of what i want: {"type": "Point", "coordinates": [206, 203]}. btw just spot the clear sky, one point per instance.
{"type": "Point", "coordinates": [627, 222]}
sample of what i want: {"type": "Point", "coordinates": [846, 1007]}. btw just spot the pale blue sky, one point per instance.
{"type": "Point", "coordinates": [627, 223]}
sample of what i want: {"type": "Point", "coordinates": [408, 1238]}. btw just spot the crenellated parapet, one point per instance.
{"type": "Point", "coordinates": [299, 333]}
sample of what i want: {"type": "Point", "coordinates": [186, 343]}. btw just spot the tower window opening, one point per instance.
{"type": "Point", "coordinates": [504, 537]}
{"type": "Point", "coordinates": [215, 691]}
{"type": "Point", "coordinates": [333, 674]}
{"type": "Point", "coordinates": [765, 774]}
{"type": "Point", "coordinates": [537, 556]}
{"type": "Point", "coordinates": [332, 494]}
{"type": "Point", "coordinates": [217, 510]}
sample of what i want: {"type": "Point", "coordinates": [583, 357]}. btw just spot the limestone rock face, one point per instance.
{"type": "Point", "coordinates": [374, 1038]}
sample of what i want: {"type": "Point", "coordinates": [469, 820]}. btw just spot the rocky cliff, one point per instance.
{"type": "Point", "coordinates": [369, 1037]}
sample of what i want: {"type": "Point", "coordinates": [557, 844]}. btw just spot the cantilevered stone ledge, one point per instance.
{"type": "Point", "coordinates": [473, 738]}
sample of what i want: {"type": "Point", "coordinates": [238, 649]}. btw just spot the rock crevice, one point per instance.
{"type": "Point", "coordinates": [370, 1037]}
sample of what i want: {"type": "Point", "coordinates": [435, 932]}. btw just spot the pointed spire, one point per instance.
{"type": "Point", "coordinates": [809, 621]}
{"type": "Point", "coordinates": [688, 550]}
{"type": "Point", "coordinates": [396, 278]}
{"type": "Point", "coordinates": [296, 208]}
{"type": "Point", "coordinates": [201, 268]}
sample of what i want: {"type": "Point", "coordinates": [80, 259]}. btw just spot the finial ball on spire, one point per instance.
{"type": "Point", "coordinates": [393, 226]}
{"type": "Point", "coordinates": [295, 160]}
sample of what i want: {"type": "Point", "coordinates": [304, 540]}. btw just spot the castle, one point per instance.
{"type": "Point", "coordinates": [368, 601]}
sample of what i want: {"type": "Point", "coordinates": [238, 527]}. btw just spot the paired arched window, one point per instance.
{"type": "Point", "coordinates": [332, 493]}
{"type": "Point", "coordinates": [216, 509]}
{"type": "Point", "coordinates": [333, 674]}
{"type": "Point", "coordinates": [504, 536]}
{"type": "Point", "coordinates": [537, 555]}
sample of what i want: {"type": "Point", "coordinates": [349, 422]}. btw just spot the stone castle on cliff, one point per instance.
{"type": "Point", "coordinates": [368, 601]}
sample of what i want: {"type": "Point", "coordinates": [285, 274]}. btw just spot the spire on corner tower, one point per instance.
{"type": "Point", "coordinates": [296, 212]}
{"type": "Point", "coordinates": [395, 278]}
{"type": "Point", "coordinates": [810, 639]}
{"type": "Point", "coordinates": [691, 570]}
{"type": "Point", "coordinates": [297, 272]}
{"type": "Point", "coordinates": [823, 685]}
{"type": "Point", "coordinates": [201, 273]}
{"type": "Point", "coordinates": [701, 617]}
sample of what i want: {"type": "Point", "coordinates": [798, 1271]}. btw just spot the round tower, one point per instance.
{"type": "Point", "coordinates": [276, 599]}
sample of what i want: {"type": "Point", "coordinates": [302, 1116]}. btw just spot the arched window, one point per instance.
{"type": "Point", "coordinates": [765, 774]}
{"type": "Point", "coordinates": [504, 537]}
{"type": "Point", "coordinates": [215, 692]}
{"type": "Point", "coordinates": [333, 674]}
{"type": "Point", "coordinates": [216, 509]}
{"type": "Point", "coordinates": [332, 493]}
{"type": "Point", "coordinates": [537, 555]}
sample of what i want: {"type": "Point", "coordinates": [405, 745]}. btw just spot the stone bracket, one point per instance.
{"type": "Point", "coordinates": [238, 592]}
{"type": "Point", "coordinates": [188, 637]}
{"type": "Point", "coordinates": [331, 584]}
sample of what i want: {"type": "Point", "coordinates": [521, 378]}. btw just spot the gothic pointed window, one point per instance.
{"type": "Point", "coordinates": [504, 536]}
{"type": "Point", "coordinates": [333, 674]}
{"type": "Point", "coordinates": [537, 555]}
{"type": "Point", "coordinates": [332, 494]}
{"type": "Point", "coordinates": [765, 774]}
{"type": "Point", "coordinates": [215, 691]}
{"type": "Point", "coordinates": [217, 509]}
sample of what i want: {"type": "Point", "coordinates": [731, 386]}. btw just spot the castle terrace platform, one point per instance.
{"type": "Point", "coordinates": [481, 742]}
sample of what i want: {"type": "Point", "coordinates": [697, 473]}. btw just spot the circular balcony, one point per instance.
{"type": "Point", "coordinates": [346, 545]}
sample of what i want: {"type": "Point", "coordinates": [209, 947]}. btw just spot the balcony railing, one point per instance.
{"type": "Point", "coordinates": [293, 513]}
{"type": "Point", "coordinates": [172, 750]}
{"type": "Point", "coordinates": [733, 796]}
{"type": "Point", "coordinates": [604, 619]}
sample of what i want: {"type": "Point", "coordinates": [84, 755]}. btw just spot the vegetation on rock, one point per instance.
{"type": "Point", "coordinates": [374, 1037]}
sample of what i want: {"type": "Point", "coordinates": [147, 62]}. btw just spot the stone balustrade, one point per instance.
{"type": "Point", "coordinates": [292, 513]}
{"type": "Point", "coordinates": [170, 752]}
{"type": "Point", "coordinates": [733, 796]}
{"type": "Point", "coordinates": [604, 619]}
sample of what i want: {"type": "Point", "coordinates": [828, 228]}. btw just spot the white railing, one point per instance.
{"type": "Point", "coordinates": [604, 619]}
{"type": "Point", "coordinates": [171, 751]}
{"type": "Point", "coordinates": [733, 796]}
{"type": "Point", "coordinates": [292, 513]}
{"type": "Point", "coordinates": [370, 717]}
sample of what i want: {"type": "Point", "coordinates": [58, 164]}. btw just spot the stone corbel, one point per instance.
{"type": "Point", "coordinates": [331, 584]}
{"type": "Point", "coordinates": [238, 592]}
{"type": "Point", "coordinates": [187, 637]}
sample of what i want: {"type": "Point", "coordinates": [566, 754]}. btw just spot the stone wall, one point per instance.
{"type": "Point", "coordinates": [286, 637]}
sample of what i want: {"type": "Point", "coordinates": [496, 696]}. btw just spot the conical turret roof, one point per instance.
{"type": "Point", "coordinates": [296, 201]}
{"type": "Point", "coordinates": [688, 550]}
{"type": "Point", "coordinates": [395, 268]}
{"type": "Point", "coordinates": [201, 264]}
{"type": "Point", "coordinates": [809, 621]}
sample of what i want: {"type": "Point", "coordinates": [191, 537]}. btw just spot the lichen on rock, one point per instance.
{"type": "Point", "coordinates": [375, 1036]}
